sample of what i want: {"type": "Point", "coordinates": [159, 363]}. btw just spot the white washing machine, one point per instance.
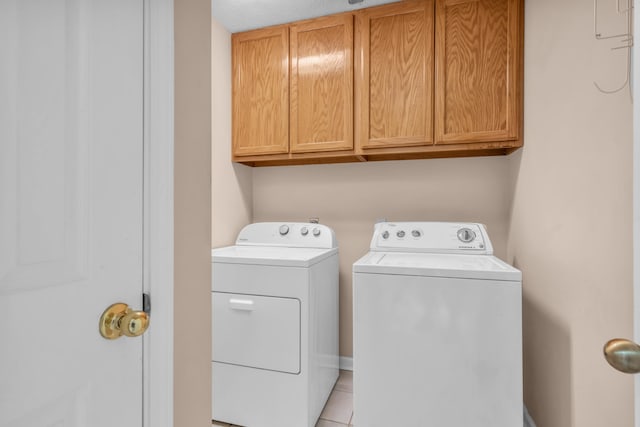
{"type": "Point", "coordinates": [275, 325]}
{"type": "Point", "coordinates": [437, 329]}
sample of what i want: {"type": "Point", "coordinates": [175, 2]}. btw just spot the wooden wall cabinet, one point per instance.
{"type": "Point", "coordinates": [260, 97]}
{"type": "Point", "coordinates": [322, 85]}
{"type": "Point", "coordinates": [446, 85]}
{"type": "Point", "coordinates": [412, 79]}
{"type": "Point", "coordinates": [477, 71]}
{"type": "Point", "coordinates": [293, 93]}
{"type": "Point", "coordinates": [394, 83]}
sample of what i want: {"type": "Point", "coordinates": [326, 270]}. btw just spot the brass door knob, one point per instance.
{"type": "Point", "coordinates": [623, 355]}
{"type": "Point", "coordinates": [118, 319]}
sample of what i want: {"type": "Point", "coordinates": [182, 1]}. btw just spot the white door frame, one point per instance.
{"type": "Point", "coordinates": [635, 82]}
{"type": "Point", "coordinates": [158, 208]}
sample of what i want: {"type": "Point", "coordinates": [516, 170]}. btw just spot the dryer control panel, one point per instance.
{"type": "Point", "coordinates": [290, 234]}
{"type": "Point", "coordinates": [437, 237]}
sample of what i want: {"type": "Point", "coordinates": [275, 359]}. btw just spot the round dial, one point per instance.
{"type": "Point", "coordinates": [400, 234]}
{"type": "Point", "coordinates": [304, 231]}
{"type": "Point", "coordinates": [416, 233]}
{"type": "Point", "coordinates": [385, 234]}
{"type": "Point", "coordinates": [466, 235]}
{"type": "Point", "coordinates": [284, 229]}
{"type": "Point", "coordinates": [316, 232]}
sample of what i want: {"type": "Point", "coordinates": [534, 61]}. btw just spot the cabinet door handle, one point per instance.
{"type": "Point", "coordinates": [241, 304]}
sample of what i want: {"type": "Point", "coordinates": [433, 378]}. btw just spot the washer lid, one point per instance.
{"type": "Point", "coordinates": [485, 267]}
{"type": "Point", "coordinates": [271, 255]}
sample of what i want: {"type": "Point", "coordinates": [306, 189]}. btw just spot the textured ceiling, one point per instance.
{"type": "Point", "coordinates": [242, 15]}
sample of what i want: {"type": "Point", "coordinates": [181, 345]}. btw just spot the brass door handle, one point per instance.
{"type": "Point", "coordinates": [118, 319]}
{"type": "Point", "coordinates": [623, 355]}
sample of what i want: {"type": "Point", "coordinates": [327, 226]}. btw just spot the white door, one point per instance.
{"type": "Point", "coordinates": [71, 210]}
{"type": "Point", "coordinates": [635, 82]}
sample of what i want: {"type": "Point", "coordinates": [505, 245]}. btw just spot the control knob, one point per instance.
{"type": "Point", "coordinates": [416, 233]}
{"type": "Point", "coordinates": [316, 232]}
{"type": "Point", "coordinates": [466, 235]}
{"type": "Point", "coordinates": [284, 229]}
{"type": "Point", "coordinates": [304, 231]}
{"type": "Point", "coordinates": [400, 234]}
{"type": "Point", "coordinates": [385, 234]}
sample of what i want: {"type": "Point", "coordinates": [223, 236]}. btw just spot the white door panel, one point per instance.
{"type": "Point", "coordinates": [44, 116]}
{"type": "Point", "coordinates": [71, 169]}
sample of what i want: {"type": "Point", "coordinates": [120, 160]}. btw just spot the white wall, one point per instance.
{"type": "Point", "coordinates": [570, 230]}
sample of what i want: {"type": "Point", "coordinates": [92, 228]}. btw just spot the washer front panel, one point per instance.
{"type": "Point", "coordinates": [432, 351]}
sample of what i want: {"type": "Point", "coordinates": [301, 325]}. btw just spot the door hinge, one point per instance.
{"type": "Point", "coordinates": [146, 303]}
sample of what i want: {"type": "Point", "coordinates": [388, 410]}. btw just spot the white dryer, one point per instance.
{"type": "Point", "coordinates": [275, 325]}
{"type": "Point", "coordinates": [437, 329]}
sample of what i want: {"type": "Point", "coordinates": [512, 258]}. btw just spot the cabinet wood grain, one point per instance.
{"type": "Point", "coordinates": [407, 80]}
{"type": "Point", "coordinates": [477, 76]}
{"type": "Point", "coordinates": [260, 61]}
{"type": "Point", "coordinates": [322, 84]}
{"type": "Point", "coordinates": [394, 75]}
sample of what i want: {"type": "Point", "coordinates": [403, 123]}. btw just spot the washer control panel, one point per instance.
{"type": "Point", "coordinates": [441, 237]}
{"type": "Point", "coordinates": [291, 234]}
{"type": "Point", "coordinates": [466, 235]}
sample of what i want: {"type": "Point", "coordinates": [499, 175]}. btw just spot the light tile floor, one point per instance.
{"type": "Point", "coordinates": [338, 412]}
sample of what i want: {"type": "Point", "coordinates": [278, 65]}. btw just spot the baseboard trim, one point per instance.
{"type": "Point", "coordinates": [346, 363]}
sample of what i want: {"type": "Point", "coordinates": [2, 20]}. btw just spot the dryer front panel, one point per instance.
{"type": "Point", "coordinates": [256, 331]}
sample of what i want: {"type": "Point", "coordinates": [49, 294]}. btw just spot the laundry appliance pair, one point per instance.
{"type": "Point", "coordinates": [436, 325]}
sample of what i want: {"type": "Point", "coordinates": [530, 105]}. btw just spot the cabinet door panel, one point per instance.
{"type": "Point", "coordinates": [394, 83]}
{"type": "Point", "coordinates": [477, 59]}
{"type": "Point", "coordinates": [261, 92]}
{"type": "Point", "coordinates": [322, 84]}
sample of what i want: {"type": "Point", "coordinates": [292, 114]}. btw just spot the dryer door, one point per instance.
{"type": "Point", "coordinates": [257, 331]}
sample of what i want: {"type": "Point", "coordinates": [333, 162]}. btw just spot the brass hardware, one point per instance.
{"type": "Point", "coordinates": [623, 355]}
{"type": "Point", "coordinates": [118, 319]}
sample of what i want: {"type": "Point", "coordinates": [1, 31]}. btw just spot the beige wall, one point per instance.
{"type": "Point", "coordinates": [560, 210]}
{"type": "Point", "coordinates": [571, 218]}
{"type": "Point", "coordinates": [350, 197]}
{"type": "Point", "coordinates": [232, 189]}
{"type": "Point", "coordinates": [192, 192]}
